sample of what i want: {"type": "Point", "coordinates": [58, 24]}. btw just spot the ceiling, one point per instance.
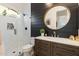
{"type": "Point", "coordinates": [19, 7]}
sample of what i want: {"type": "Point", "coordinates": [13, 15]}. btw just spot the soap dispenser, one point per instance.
{"type": "Point", "coordinates": [72, 37]}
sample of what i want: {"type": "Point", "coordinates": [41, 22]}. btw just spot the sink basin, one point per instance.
{"type": "Point", "coordinates": [59, 40]}
{"type": "Point", "coordinates": [53, 38]}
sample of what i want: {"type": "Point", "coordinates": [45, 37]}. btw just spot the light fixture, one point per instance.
{"type": "Point", "coordinates": [7, 11]}
{"type": "Point", "coordinates": [49, 4]}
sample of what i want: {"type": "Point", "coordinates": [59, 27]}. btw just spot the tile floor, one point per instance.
{"type": "Point", "coordinates": [1, 50]}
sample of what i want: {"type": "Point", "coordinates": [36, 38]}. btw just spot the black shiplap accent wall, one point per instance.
{"type": "Point", "coordinates": [78, 16]}
{"type": "Point", "coordinates": [38, 11]}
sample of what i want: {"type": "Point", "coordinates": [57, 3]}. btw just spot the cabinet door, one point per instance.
{"type": "Point", "coordinates": [42, 48]}
{"type": "Point", "coordinates": [64, 50]}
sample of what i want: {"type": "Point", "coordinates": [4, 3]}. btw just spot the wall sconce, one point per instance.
{"type": "Point", "coordinates": [49, 4]}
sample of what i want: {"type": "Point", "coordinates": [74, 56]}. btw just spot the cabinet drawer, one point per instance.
{"type": "Point", "coordinates": [41, 43]}
{"type": "Point", "coordinates": [42, 48]}
{"type": "Point", "coordinates": [63, 52]}
{"type": "Point", "coordinates": [42, 53]}
{"type": "Point", "coordinates": [66, 47]}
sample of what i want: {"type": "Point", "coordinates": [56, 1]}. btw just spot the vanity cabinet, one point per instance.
{"type": "Point", "coordinates": [48, 48]}
{"type": "Point", "coordinates": [42, 48]}
{"type": "Point", "coordinates": [64, 50]}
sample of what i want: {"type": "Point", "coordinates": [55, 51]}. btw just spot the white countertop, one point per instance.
{"type": "Point", "coordinates": [59, 40]}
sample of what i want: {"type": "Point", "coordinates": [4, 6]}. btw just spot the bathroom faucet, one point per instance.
{"type": "Point", "coordinates": [54, 34]}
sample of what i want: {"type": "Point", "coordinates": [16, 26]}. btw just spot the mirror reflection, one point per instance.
{"type": "Point", "coordinates": [57, 17]}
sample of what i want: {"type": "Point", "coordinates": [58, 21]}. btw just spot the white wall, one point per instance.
{"type": "Point", "coordinates": [27, 21]}
{"type": "Point", "coordinates": [20, 33]}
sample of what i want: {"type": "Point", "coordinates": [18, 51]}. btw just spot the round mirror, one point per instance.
{"type": "Point", "coordinates": [57, 17]}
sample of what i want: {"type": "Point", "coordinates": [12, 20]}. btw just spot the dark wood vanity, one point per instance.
{"type": "Point", "coordinates": [48, 48]}
{"type": "Point", "coordinates": [42, 48]}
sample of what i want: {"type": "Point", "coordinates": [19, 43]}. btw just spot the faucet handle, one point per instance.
{"type": "Point", "coordinates": [57, 35]}
{"type": "Point", "coordinates": [54, 34]}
